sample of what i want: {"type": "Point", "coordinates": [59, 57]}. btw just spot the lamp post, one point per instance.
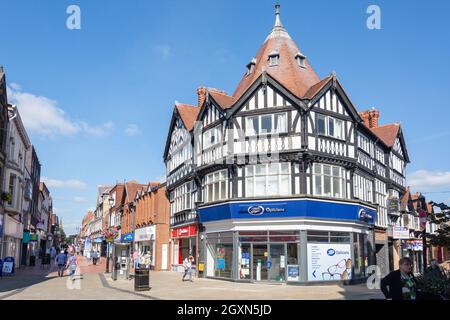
{"type": "Point", "coordinates": [111, 204]}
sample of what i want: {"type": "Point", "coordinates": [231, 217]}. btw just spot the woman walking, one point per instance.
{"type": "Point", "coordinates": [72, 265]}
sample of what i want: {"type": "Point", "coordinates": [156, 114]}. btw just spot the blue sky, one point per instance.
{"type": "Point", "coordinates": [97, 101]}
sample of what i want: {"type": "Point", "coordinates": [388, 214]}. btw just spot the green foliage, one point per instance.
{"type": "Point", "coordinates": [6, 196]}
{"type": "Point", "coordinates": [435, 283]}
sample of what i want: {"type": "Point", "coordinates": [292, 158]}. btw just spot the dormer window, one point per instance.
{"type": "Point", "coordinates": [274, 58]}
{"type": "Point", "coordinates": [300, 57]}
{"type": "Point", "coordinates": [251, 66]}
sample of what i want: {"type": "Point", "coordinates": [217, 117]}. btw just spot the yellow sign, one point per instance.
{"type": "Point", "coordinates": [266, 254]}
{"type": "Point", "coordinates": [201, 267]}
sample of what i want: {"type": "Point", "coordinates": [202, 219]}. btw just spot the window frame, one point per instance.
{"type": "Point", "coordinates": [211, 182]}
{"type": "Point", "coordinates": [252, 177]}
{"type": "Point", "coordinates": [331, 177]}
{"type": "Point", "coordinates": [250, 124]}
{"type": "Point", "coordinates": [327, 125]}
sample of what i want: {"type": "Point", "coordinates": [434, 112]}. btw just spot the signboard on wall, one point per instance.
{"type": "Point", "coordinates": [293, 272]}
{"type": "Point", "coordinates": [8, 266]}
{"type": "Point", "coordinates": [400, 233]}
{"type": "Point", "coordinates": [145, 234]}
{"type": "Point", "coordinates": [329, 262]}
{"type": "Point", "coordinates": [187, 231]}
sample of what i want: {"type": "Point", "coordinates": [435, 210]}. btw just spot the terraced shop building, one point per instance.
{"type": "Point", "coordinates": [284, 180]}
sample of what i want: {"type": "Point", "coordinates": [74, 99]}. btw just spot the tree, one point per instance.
{"type": "Point", "coordinates": [442, 235]}
{"type": "Point", "coordinates": [63, 234]}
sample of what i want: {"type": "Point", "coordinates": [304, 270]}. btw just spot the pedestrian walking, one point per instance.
{"type": "Point", "coordinates": [94, 257]}
{"type": "Point", "coordinates": [187, 264]}
{"type": "Point", "coordinates": [72, 265]}
{"type": "Point", "coordinates": [60, 261]}
{"type": "Point", "coordinates": [136, 259]}
{"type": "Point", "coordinates": [400, 284]}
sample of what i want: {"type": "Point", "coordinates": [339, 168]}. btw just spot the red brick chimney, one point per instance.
{"type": "Point", "coordinates": [374, 115]}
{"type": "Point", "coordinates": [201, 92]}
{"type": "Point", "coordinates": [370, 118]}
{"type": "Point", "coordinates": [365, 115]}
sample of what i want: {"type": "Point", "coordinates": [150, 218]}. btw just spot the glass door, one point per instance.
{"type": "Point", "coordinates": [260, 254]}
{"type": "Point", "coordinates": [277, 262]}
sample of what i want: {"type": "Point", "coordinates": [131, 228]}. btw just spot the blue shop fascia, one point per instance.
{"type": "Point", "coordinates": [293, 240]}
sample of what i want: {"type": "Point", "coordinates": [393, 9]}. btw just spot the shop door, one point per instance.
{"type": "Point", "coordinates": [260, 254]}
{"type": "Point", "coordinates": [277, 264]}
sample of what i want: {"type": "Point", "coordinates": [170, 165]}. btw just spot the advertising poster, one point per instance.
{"type": "Point", "coordinates": [329, 262]}
{"type": "Point", "coordinates": [293, 272]}
{"type": "Point", "coordinates": [220, 258]}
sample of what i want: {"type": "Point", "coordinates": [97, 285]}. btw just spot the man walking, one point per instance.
{"type": "Point", "coordinates": [60, 261]}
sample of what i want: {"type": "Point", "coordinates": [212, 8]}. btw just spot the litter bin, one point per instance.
{"type": "Point", "coordinates": [142, 279]}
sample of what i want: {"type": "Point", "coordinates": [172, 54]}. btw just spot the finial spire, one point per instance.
{"type": "Point", "coordinates": [277, 15]}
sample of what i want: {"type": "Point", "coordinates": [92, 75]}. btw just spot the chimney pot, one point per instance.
{"type": "Point", "coordinates": [201, 92]}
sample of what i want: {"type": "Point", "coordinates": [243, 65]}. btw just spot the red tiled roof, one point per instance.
{"type": "Point", "coordinates": [387, 133]}
{"type": "Point", "coordinates": [188, 114]}
{"type": "Point", "coordinates": [313, 90]}
{"type": "Point", "coordinates": [296, 79]}
{"type": "Point", "coordinates": [224, 100]}
{"type": "Point", "coordinates": [132, 188]}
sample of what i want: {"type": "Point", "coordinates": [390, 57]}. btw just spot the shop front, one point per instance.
{"type": "Point", "coordinates": [12, 239]}
{"type": "Point", "coordinates": [144, 242]}
{"type": "Point", "coordinates": [293, 241]}
{"type": "Point", "coordinates": [184, 244]}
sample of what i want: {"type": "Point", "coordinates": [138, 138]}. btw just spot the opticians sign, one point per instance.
{"type": "Point", "coordinates": [329, 262]}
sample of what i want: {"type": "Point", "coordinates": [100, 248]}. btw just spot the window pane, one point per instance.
{"type": "Point", "coordinates": [285, 167]}
{"type": "Point", "coordinates": [209, 189]}
{"type": "Point", "coordinates": [331, 127]}
{"type": "Point", "coordinates": [249, 187]}
{"type": "Point", "coordinates": [249, 171]}
{"type": "Point", "coordinates": [272, 187]}
{"type": "Point", "coordinates": [260, 169]}
{"type": "Point", "coordinates": [337, 187]}
{"type": "Point", "coordinates": [223, 190]}
{"type": "Point", "coordinates": [252, 125]}
{"type": "Point", "coordinates": [326, 186]}
{"type": "Point", "coordinates": [336, 172]}
{"type": "Point", "coordinates": [216, 176]}
{"type": "Point", "coordinates": [317, 168]}
{"type": "Point", "coordinates": [321, 124]}
{"type": "Point", "coordinates": [318, 189]}
{"type": "Point", "coordinates": [284, 184]}
{"type": "Point", "coordinates": [280, 123]}
{"type": "Point", "coordinates": [326, 170]}
{"type": "Point", "coordinates": [273, 168]}
{"type": "Point", "coordinates": [222, 175]}
{"type": "Point", "coordinates": [216, 191]}
{"type": "Point", "coordinates": [260, 186]}
{"type": "Point", "coordinates": [339, 129]}
{"type": "Point", "coordinates": [266, 124]}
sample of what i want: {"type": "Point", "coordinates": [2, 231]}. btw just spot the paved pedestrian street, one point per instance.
{"type": "Point", "coordinates": [37, 283]}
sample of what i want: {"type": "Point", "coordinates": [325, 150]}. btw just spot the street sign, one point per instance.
{"type": "Point", "coordinates": [400, 233]}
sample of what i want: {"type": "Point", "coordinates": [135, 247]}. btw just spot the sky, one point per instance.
{"type": "Point", "coordinates": [97, 101]}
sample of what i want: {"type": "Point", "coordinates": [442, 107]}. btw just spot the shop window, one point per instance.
{"type": "Point", "coordinates": [244, 262]}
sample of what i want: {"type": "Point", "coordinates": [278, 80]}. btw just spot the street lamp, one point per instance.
{"type": "Point", "coordinates": [111, 204]}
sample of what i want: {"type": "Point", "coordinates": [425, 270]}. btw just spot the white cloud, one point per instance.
{"type": "Point", "coordinates": [163, 50]}
{"type": "Point", "coordinates": [66, 184]}
{"type": "Point", "coordinates": [132, 130]}
{"type": "Point", "coordinates": [43, 116]}
{"type": "Point", "coordinates": [80, 199]}
{"type": "Point", "coordinates": [424, 180]}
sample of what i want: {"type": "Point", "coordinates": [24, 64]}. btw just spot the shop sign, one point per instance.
{"type": "Point", "coordinates": [128, 237]}
{"type": "Point", "coordinates": [329, 262]}
{"type": "Point", "coordinates": [393, 205]}
{"type": "Point", "coordinates": [414, 245]}
{"type": "Point", "coordinates": [258, 210]}
{"type": "Point", "coordinates": [293, 272]}
{"type": "Point", "coordinates": [187, 231]}
{"type": "Point", "coordinates": [365, 216]}
{"type": "Point", "coordinates": [145, 234]}
{"type": "Point", "coordinates": [8, 265]}
{"type": "Point", "coordinates": [400, 233]}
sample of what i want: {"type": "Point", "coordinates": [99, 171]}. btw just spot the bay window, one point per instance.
{"type": "Point", "coordinates": [331, 127]}
{"type": "Point", "coordinates": [329, 181]}
{"type": "Point", "coordinates": [269, 179]}
{"type": "Point", "coordinates": [181, 198]}
{"type": "Point", "coordinates": [266, 124]}
{"type": "Point", "coordinates": [216, 186]}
